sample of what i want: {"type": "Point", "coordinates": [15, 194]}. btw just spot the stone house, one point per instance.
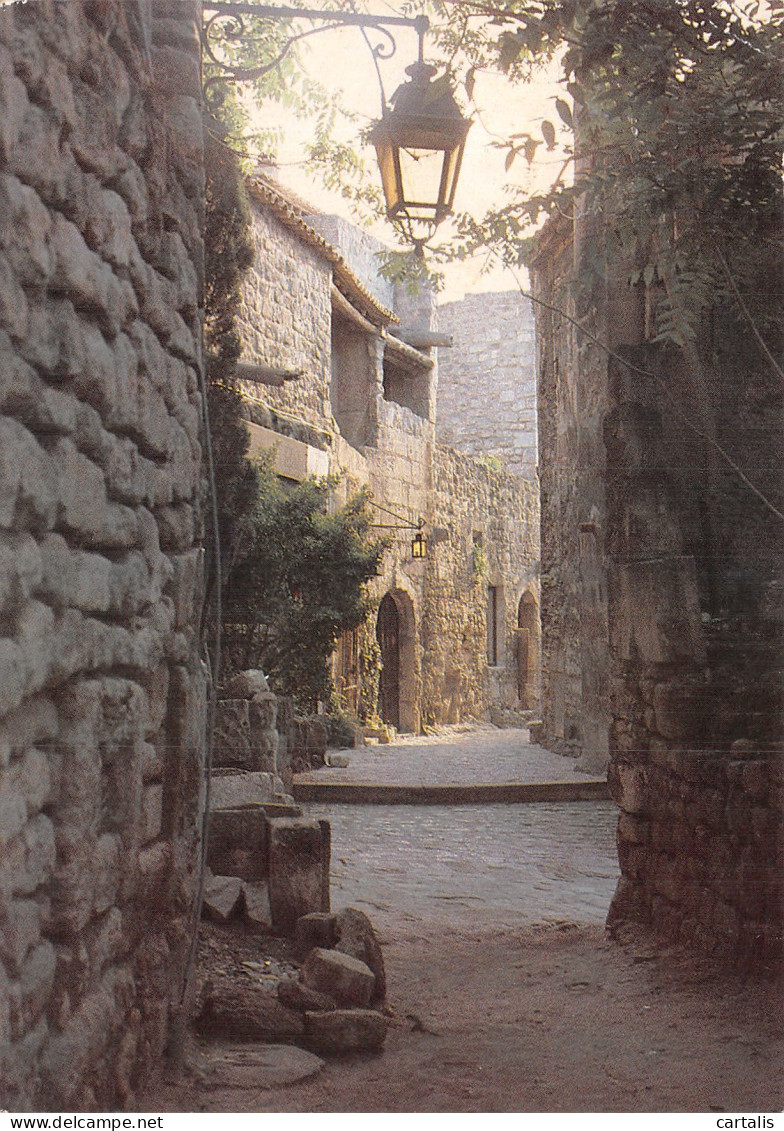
{"type": "Point", "coordinates": [364, 404]}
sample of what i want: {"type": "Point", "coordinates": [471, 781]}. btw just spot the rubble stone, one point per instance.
{"type": "Point", "coordinates": [346, 1030]}
{"type": "Point", "coordinates": [296, 995]}
{"type": "Point", "coordinates": [314, 930]}
{"type": "Point", "coordinates": [357, 938]}
{"type": "Point", "coordinates": [257, 905]}
{"type": "Point", "coordinates": [222, 895]}
{"type": "Point", "coordinates": [345, 979]}
{"type": "Point", "coordinates": [250, 1013]}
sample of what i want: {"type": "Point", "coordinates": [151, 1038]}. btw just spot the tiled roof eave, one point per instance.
{"type": "Point", "coordinates": [345, 280]}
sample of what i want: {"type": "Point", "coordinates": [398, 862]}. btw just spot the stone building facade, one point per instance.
{"type": "Point", "coordinates": [661, 604]}
{"type": "Point", "coordinates": [364, 404]}
{"type": "Point", "coordinates": [487, 380]}
{"type": "Point", "coordinates": [101, 687]}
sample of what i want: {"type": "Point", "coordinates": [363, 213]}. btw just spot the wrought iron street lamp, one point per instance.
{"type": "Point", "coordinates": [419, 144]}
{"type": "Point", "coordinates": [420, 137]}
{"type": "Point", "coordinates": [419, 546]}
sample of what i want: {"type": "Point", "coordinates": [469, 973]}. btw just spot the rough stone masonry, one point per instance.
{"type": "Point", "coordinates": [101, 690]}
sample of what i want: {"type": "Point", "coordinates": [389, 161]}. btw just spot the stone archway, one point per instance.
{"type": "Point", "coordinates": [395, 632]}
{"type": "Point", "coordinates": [528, 651]}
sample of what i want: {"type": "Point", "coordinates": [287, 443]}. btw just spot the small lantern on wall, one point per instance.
{"type": "Point", "coordinates": [419, 545]}
{"type": "Point", "coordinates": [419, 144]}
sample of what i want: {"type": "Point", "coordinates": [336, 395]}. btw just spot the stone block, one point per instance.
{"type": "Point", "coordinates": [65, 1062]}
{"type": "Point", "coordinates": [232, 734]}
{"type": "Point", "coordinates": [14, 310]}
{"type": "Point", "coordinates": [257, 904]}
{"type": "Point", "coordinates": [13, 99]}
{"type": "Point", "coordinates": [232, 791]}
{"type": "Point", "coordinates": [28, 480]}
{"type": "Point", "coordinates": [755, 780]}
{"type": "Point", "coordinates": [106, 941]}
{"type": "Point", "coordinates": [81, 491]}
{"type": "Point", "coordinates": [25, 238]}
{"type": "Point", "coordinates": [238, 843]}
{"type": "Point", "coordinates": [314, 930]}
{"type": "Point", "coordinates": [249, 1013]}
{"type": "Point", "coordinates": [629, 788]}
{"type": "Point", "coordinates": [347, 980]}
{"type": "Point", "coordinates": [36, 721]}
{"type": "Point", "coordinates": [252, 1067]}
{"type": "Point", "coordinates": [152, 812]}
{"type": "Point", "coordinates": [683, 711]}
{"type": "Point", "coordinates": [357, 938]}
{"type": "Point", "coordinates": [298, 870]}
{"type": "Point", "coordinates": [13, 804]}
{"type": "Point", "coordinates": [107, 863]}
{"type": "Point", "coordinates": [222, 897]}
{"type": "Point", "coordinates": [20, 931]}
{"type": "Point", "coordinates": [107, 228]}
{"type": "Point", "coordinates": [175, 71]}
{"type": "Point", "coordinates": [296, 995]}
{"type": "Point", "coordinates": [36, 982]}
{"type": "Point", "coordinates": [40, 855]}
{"type": "Point", "coordinates": [34, 626]}
{"type": "Point", "coordinates": [73, 892]}
{"type": "Point", "coordinates": [346, 1030]}
{"type": "Point", "coordinates": [38, 158]}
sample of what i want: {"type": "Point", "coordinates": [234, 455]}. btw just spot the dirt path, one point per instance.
{"type": "Point", "coordinates": [547, 1018]}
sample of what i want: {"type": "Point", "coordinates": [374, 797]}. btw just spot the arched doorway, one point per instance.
{"type": "Point", "coordinates": [528, 651]}
{"type": "Point", "coordinates": [398, 698]}
{"type": "Point", "coordinates": [388, 636]}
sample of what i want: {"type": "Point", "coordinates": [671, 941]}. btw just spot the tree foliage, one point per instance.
{"type": "Point", "coordinates": [298, 582]}
{"type": "Point", "coordinates": [676, 136]}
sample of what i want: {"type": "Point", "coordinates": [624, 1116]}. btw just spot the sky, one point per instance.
{"type": "Point", "coordinates": [342, 62]}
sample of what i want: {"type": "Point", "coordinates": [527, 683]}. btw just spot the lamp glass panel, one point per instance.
{"type": "Point", "coordinates": [451, 167]}
{"type": "Point", "coordinates": [386, 163]}
{"type": "Point", "coordinates": [421, 171]}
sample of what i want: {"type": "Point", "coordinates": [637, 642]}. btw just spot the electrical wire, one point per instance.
{"type": "Point", "coordinates": [214, 680]}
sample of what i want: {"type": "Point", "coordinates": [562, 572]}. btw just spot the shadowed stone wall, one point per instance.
{"type": "Point", "coordinates": [101, 691]}
{"type": "Point", "coordinates": [662, 604]}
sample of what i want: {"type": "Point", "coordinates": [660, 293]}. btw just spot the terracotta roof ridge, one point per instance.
{"type": "Point", "coordinates": [293, 216]}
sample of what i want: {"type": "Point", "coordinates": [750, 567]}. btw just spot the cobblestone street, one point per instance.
{"type": "Point", "coordinates": [460, 755]}
{"type": "Point", "coordinates": [469, 865]}
{"type": "Point", "coordinates": [474, 864]}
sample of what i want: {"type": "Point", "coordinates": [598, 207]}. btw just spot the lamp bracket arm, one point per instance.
{"type": "Point", "coordinates": [358, 19]}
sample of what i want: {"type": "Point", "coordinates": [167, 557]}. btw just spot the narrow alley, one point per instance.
{"type": "Point", "coordinates": [391, 571]}
{"type": "Point", "coordinates": [505, 992]}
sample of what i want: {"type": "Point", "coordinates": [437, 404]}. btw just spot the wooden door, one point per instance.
{"type": "Point", "coordinates": [388, 636]}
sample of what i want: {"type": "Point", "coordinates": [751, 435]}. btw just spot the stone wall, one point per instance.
{"type": "Point", "coordinates": [572, 401]}
{"type": "Point", "coordinates": [670, 570]}
{"type": "Point", "coordinates": [284, 319]}
{"type": "Point", "coordinates": [487, 380]}
{"type": "Point", "coordinates": [101, 691]}
{"type": "Point", "coordinates": [484, 533]}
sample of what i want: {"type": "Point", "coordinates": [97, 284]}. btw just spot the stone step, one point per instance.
{"type": "Point", "coordinates": [509, 793]}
